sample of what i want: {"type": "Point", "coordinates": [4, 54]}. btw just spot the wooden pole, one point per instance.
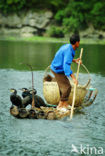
{"type": "Point", "coordinates": [33, 99]}
{"type": "Point", "coordinates": [75, 86]}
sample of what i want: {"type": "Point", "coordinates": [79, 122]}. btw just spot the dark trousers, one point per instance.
{"type": "Point", "coordinates": [64, 85]}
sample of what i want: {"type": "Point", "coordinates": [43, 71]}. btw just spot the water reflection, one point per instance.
{"type": "Point", "coordinates": [40, 55]}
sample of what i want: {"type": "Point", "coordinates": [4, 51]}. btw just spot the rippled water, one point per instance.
{"type": "Point", "coordinates": [44, 137]}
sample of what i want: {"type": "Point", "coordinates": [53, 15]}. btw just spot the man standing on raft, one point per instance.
{"type": "Point", "coordinates": [61, 68]}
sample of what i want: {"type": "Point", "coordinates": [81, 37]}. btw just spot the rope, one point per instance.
{"type": "Point", "coordinates": [86, 70]}
{"type": "Point", "coordinates": [46, 70]}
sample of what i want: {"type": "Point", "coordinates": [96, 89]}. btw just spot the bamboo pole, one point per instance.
{"type": "Point", "coordinates": [75, 87]}
{"type": "Point", "coordinates": [33, 99]}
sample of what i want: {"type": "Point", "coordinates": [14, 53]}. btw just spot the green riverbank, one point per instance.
{"type": "Point", "coordinates": [52, 40]}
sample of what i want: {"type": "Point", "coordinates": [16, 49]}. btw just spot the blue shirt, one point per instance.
{"type": "Point", "coordinates": [63, 59]}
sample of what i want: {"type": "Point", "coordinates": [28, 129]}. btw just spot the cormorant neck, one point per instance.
{"type": "Point", "coordinates": [15, 92]}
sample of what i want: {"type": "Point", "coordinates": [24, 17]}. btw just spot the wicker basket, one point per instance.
{"type": "Point", "coordinates": [52, 95]}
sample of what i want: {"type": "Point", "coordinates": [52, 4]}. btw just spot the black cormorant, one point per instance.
{"type": "Point", "coordinates": [15, 99]}
{"type": "Point", "coordinates": [27, 92]}
{"type": "Point", "coordinates": [38, 100]}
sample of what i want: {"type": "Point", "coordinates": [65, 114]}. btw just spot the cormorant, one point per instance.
{"type": "Point", "coordinates": [38, 100]}
{"type": "Point", "coordinates": [27, 92]}
{"type": "Point", "coordinates": [15, 99]}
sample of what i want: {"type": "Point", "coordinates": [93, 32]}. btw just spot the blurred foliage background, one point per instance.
{"type": "Point", "coordinates": [70, 14]}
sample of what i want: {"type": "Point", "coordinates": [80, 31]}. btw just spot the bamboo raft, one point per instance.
{"type": "Point", "coordinates": [38, 113]}
{"type": "Point", "coordinates": [51, 113]}
{"type": "Point", "coordinates": [85, 96]}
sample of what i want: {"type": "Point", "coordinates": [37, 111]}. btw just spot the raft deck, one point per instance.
{"type": "Point", "coordinates": [49, 113]}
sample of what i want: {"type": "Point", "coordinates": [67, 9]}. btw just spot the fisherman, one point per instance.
{"type": "Point", "coordinates": [61, 68]}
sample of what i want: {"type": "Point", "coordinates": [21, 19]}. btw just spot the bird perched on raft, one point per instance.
{"type": "Point", "coordinates": [15, 99]}
{"type": "Point", "coordinates": [27, 98]}
{"type": "Point", "coordinates": [38, 100]}
{"type": "Point", "coordinates": [27, 92]}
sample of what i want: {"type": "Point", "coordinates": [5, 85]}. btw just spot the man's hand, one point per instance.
{"type": "Point", "coordinates": [77, 60]}
{"type": "Point", "coordinates": [74, 79]}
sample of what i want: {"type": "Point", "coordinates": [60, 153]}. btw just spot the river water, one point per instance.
{"type": "Point", "coordinates": [44, 137]}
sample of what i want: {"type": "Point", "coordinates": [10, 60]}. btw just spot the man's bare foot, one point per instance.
{"type": "Point", "coordinates": [62, 104]}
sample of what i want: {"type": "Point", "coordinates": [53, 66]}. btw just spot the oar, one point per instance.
{"type": "Point", "coordinates": [75, 86]}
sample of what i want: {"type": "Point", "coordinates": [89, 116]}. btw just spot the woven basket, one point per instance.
{"type": "Point", "coordinates": [52, 95]}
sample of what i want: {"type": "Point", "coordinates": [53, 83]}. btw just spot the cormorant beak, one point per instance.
{"type": "Point", "coordinates": [23, 90]}
{"type": "Point", "coordinates": [11, 90]}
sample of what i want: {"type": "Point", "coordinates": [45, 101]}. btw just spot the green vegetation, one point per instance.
{"type": "Point", "coordinates": [50, 40]}
{"type": "Point", "coordinates": [78, 15]}
{"type": "Point", "coordinates": [55, 31]}
{"type": "Point", "coordinates": [10, 6]}
{"type": "Point", "coordinates": [69, 15]}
